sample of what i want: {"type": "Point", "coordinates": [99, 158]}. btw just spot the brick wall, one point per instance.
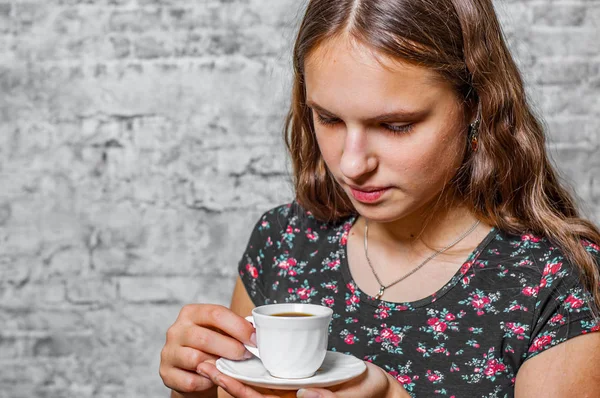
{"type": "Point", "coordinates": [140, 141]}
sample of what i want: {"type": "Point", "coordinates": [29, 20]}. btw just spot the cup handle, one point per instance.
{"type": "Point", "coordinates": [253, 350]}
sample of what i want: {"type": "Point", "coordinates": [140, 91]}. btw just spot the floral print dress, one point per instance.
{"type": "Point", "coordinates": [513, 298]}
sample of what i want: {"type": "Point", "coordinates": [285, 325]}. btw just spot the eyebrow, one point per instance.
{"type": "Point", "coordinates": [384, 117]}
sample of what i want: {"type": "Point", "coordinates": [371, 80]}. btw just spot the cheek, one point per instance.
{"type": "Point", "coordinates": [330, 147]}
{"type": "Point", "coordinates": [430, 162]}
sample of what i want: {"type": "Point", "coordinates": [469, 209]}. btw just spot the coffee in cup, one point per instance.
{"type": "Point", "coordinates": [291, 338]}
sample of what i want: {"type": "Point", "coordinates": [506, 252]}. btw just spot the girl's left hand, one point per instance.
{"type": "Point", "coordinates": [374, 382]}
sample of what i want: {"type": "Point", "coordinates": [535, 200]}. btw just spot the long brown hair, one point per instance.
{"type": "Point", "coordinates": [509, 182]}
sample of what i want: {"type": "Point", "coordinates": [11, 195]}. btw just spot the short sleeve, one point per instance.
{"type": "Point", "coordinates": [563, 308]}
{"type": "Point", "coordinates": [255, 266]}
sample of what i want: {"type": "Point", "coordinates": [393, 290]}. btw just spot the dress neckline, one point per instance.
{"type": "Point", "coordinates": [371, 300]}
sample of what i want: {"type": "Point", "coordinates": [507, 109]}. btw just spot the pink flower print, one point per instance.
{"type": "Point", "coordinates": [465, 267]}
{"type": "Point", "coordinates": [493, 367]}
{"type": "Point", "coordinates": [292, 273]}
{"type": "Point", "coordinates": [433, 377]}
{"type": "Point", "coordinates": [450, 317]}
{"type": "Point", "coordinates": [552, 268]}
{"type": "Point", "coordinates": [388, 334]}
{"type": "Point", "coordinates": [264, 224]}
{"type": "Point", "coordinates": [543, 282]}
{"type": "Point", "coordinates": [514, 307]}
{"type": "Point", "coordinates": [287, 263]}
{"type": "Point", "coordinates": [556, 318]}
{"type": "Point", "coordinates": [437, 325]}
{"type": "Point", "coordinates": [540, 342]}
{"type": "Point", "coordinates": [525, 262]}
{"type": "Point", "coordinates": [421, 350]}
{"type": "Point", "coordinates": [334, 264]}
{"type": "Point", "coordinates": [349, 339]}
{"type": "Point", "coordinates": [252, 271]}
{"type": "Point", "coordinates": [518, 330]}
{"type": "Point", "coordinates": [531, 291]}
{"type": "Point", "coordinates": [289, 230]}
{"type": "Point", "coordinates": [383, 315]}
{"type": "Point", "coordinates": [531, 238]}
{"type": "Point", "coordinates": [352, 300]}
{"type": "Point", "coordinates": [351, 287]}
{"type": "Point", "coordinates": [466, 280]}
{"type": "Point", "coordinates": [574, 302]}
{"type": "Point", "coordinates": [383, 312]}
{"type": "Point", "coordinates": [330, 286]}
{"type": "Point", "coordinates": [344, 239]}
{"type": "Point", "coordinates": [328, 301]}
{"type": "Point", "coordinates": [310, 235]}
{"type": "Point", "coordinates": [587, 243]}
{"type": "Point", "coordinates": [479, 302]}
{"type": "Point", "coordinates": [404, 379]}
{"type": "Point", "coordinates": [303, 293]}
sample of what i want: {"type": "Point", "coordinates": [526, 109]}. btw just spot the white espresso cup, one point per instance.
{"type": "Point", "coordinates": [291, 347]}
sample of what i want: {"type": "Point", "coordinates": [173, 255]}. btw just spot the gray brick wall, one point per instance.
{"type": "Point", "coordinates": [139, 142]}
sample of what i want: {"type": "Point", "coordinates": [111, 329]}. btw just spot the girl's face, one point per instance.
{"type": "Point", "coordinates": [384, 126]}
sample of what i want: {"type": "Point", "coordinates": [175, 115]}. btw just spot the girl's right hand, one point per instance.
{"type": "Point", "coordinates": [202, 333]}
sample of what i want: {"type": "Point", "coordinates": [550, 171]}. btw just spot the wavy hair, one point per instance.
{"type": "Point", "coordinates": [509, 182]}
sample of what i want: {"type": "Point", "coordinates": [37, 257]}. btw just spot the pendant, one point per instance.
{"type": "Point", "coordinates": [381, 290]}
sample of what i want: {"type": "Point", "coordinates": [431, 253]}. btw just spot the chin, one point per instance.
{"type": "Point", "coordinates": [384, 212]}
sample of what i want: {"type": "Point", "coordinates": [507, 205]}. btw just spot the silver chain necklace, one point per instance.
{"type": "Point", "coordinates": [382, 287]}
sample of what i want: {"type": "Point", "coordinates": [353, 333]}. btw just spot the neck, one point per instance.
{"type": "Point", "coordinates": [433, 228]}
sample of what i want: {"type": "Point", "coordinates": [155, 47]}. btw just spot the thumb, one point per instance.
{"type": "Point", "coordinates": [314, 393]}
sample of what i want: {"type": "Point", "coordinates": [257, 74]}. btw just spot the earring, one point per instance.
{"type": "Point", "coordinates": [474, 130]}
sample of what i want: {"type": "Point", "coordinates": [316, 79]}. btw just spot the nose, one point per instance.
{"type": "Point", "coordinates": [356, 158]}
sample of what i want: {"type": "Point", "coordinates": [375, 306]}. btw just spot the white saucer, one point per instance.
{"type": "Point", "coordinates": [337, 368]}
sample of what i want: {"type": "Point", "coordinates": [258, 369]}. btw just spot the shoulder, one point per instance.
{"type": "Point", "coordinates": [292, 218]}
{"type": "Point", "coordinates": [538, 263]}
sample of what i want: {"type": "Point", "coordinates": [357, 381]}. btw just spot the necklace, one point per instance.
{"type": "Point", "coordinates": [382, 287]}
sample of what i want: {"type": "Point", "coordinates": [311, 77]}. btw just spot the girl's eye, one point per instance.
{"type": "Point", "coordinates": [326, 121]}
{"type": "Point", "coordinates": [395, 129]}
{"type": "Point", "coordinates": [403, 129]}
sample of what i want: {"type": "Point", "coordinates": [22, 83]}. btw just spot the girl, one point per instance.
{"type": "Point", "coordinates": [427, 216]}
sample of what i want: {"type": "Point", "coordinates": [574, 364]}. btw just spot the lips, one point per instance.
{"type": "Point", "coordinates": [368, 194]}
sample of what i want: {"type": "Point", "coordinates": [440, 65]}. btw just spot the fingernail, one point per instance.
{"type": "Point", "coordinates": [248, 355]}
{"type": "Point", "coordinates": [253, 339]}
{"type": "Point", "coordinates": [302, 393]}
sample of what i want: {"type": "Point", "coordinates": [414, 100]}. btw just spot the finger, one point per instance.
{"type": "Point", "coordinates": [183, 381]}
{"type": "Point", "coordinates": [315, 393]}
{"type": "Point", "coordinates": [188, 358]}
{"type": "Point", "coordinates": [210, 342]}
{"type": "Point", "coordinates": [368, 382]}
{"type": "Point", "coordinates": [229, 384]}
{"type": "Point", "coordinates": [222, 318]}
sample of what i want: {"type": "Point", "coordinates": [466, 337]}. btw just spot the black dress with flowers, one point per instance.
{"type": "Point", "coordinates": [514, 297]}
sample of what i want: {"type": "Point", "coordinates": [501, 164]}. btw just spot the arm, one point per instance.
{"type": "Point", "coordinates": [570, 369]}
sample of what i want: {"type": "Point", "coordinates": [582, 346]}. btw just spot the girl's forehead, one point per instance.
{"type": "Point", "coordinates": [346, 54]}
